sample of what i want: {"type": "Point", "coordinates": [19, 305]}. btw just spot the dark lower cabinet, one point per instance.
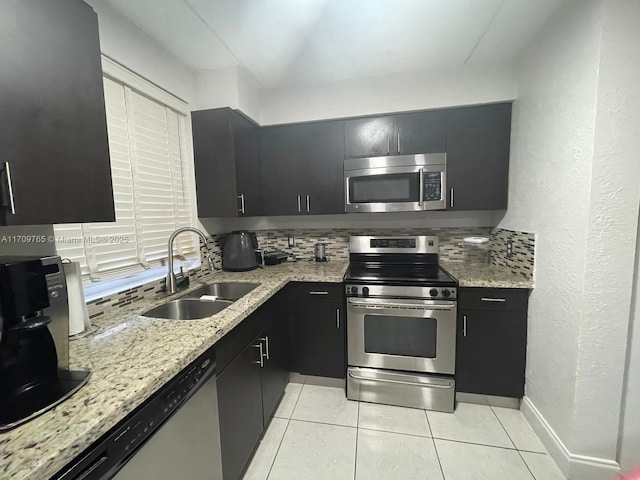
{"type": "Point", "coordinates": [251, 385]}
{"type": "Point", "coordinates": [491, 342]}
{"type": "Point", "coordinates": [318, 328]}
{"type": "Point", "coordinates": [275, 374]}
{"type": "Point", "coordinates": [240, 411]}
{"type": "Point", "coordinates": [54, 153]}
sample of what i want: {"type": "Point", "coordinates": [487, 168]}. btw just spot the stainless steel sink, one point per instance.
{"type": "Point", "coordinates": [224, 290]}
{"type": "Point", "coordinates": [187, 309]}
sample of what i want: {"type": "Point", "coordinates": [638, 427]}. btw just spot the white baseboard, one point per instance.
{"type": "Point", "coordinates": [573, 466]}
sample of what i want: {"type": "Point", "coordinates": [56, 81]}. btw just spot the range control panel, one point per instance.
{"type": "Point", "coordinates": [428, 293]}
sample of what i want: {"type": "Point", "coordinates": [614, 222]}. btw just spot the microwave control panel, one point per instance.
{"type": "Point", "coordinates": [432, 186]}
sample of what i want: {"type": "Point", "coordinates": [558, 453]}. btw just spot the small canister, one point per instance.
{"type": "Point", "coordinates": [476, 251]}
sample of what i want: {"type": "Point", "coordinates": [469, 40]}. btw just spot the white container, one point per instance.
{"type": "Point", "coordinates": [476, 251]}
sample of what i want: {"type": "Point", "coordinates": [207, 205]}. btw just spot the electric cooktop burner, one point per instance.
{"type": "Point", "coordinates": [399, 275]}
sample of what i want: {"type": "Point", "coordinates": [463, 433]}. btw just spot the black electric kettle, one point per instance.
{"type": "Point", "coordinates": [240, 252]}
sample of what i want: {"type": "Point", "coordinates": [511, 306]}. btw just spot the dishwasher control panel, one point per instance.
{"type": "Point", "coordinates": [114, 449]}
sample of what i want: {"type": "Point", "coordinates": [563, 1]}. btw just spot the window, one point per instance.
{"type": "Point", "coordinates": [152, 184]}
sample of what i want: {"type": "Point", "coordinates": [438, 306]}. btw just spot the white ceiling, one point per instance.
{"type": "Point", "coordinates": [285, 42]}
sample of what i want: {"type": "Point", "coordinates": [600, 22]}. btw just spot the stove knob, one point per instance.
{"type": "Point", "coordinates": [354, 290]}
{"type": "Point", "coordinates": [365, 291]}
{"type": "Point", "coordinates": [433, 292]}
{"type": "Point", "coordinates": [446, 293]}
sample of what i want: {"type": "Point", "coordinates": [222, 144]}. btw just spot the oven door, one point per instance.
{"type": "Point", "coordinates": [395, 189]}
{"type": "Point", "coordinates": [402, 334]}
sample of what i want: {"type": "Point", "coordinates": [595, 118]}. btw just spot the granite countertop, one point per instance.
{"type": "Point", "coordinates": [130, 358]}
{"type": "Point", "coordinates": [492, 276]}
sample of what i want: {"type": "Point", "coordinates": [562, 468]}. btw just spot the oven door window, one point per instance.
{"type": "Point", "coordinates": [385, 188]}
{"type": "Point", "coordinates": [406, 336]}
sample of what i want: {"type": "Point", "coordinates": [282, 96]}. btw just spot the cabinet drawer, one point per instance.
{"type": "Point", "coordinates": [500, 299]}
{"type": "Point", "coordinates": [330, 292]}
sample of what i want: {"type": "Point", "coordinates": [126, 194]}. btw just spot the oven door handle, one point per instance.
{"type": "Point", "coordinates": [401, 382]}
{"type": "Point", "coordinates": [380, 306]}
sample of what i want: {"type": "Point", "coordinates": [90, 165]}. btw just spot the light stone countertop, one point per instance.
{"type": "Point", "coordinates": [491, 276]}
{"type": "Point", "coordinates": [130, 358]}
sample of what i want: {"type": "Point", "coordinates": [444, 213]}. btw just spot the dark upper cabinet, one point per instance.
{"type": "Point", "coordinates": [401, 134]}
{"type": "Point", "coordinates": [368, 137]}
{"type": "Point", "coordinates": [492, 341]}
{"type": "Point", "coordinates": [226, 155]}
{"type": "Point", "coordinates": [478, 157]}
{"type": "Point", "coordinates": [318, 330]}
{"type": "Point", "coordinates": [54, 154]}
{"type": "Point", "coordinates": [302, 168]}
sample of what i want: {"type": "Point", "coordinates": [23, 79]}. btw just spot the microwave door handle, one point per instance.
{"type": "Point", "coordinates": [421, 201]}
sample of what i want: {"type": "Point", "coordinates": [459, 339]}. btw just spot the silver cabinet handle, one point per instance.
{"type": "Point", "coordinates": [337, 318]}
{"type": "Point", "coordinates": [401, 382]}
{"type": "Point", "coordinates": [489, 299]}
{"type": "Point", "coordinates": [464, 325]}
{"type": "Point", "coordinates": [451, 198]}
{"type": "Point", "coordinates": [266, 346]}
{"type": "Point", "coordinates": [299, 210]}
{"type": "Point", "coordinates": [7, 170]}
{"type": "Point", "coordinates": [261, 361]}
{"type": "Point", "coordinates": [318, 292]}
{"type": "Point", "coordinates": [398, 142]}
{"type": "Point", "coordinates": [421, 172]}
{"type": "Point", "coordinates": [308, 204]}
{"type": "Point", "coordinates": [388, 144]}
{"type": "Point", "coordinates": [241, 197]}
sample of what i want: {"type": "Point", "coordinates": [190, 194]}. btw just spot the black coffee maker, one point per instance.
{"type": "Point", "coordinates": [34, 339]}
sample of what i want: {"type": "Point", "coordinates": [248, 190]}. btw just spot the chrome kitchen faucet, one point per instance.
{"type": "Point", "coordinates": [172, 281]}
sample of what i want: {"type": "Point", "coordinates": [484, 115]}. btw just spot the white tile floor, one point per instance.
{"type": "Point", "coordinates": [317, 434]}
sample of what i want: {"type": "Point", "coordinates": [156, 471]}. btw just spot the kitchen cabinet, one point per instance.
{"type": "Point", "coordinates": [401, 134]}
{"type": "Point", "coordinates": [54, 153]}
{"type": "Point", "coordinates": [253, 361]}
{"type": "Point", "coordinates": [318, 329]}
{"type": "Point", "coordinates": [491, 341]}
{"type": "Point", "coordinates": [301, 168]}
{"type": "Point", "coordinates": [240, 410]}
{"type": "Point", "coordinates": [226, 156]}
{"type": "Point", "coordinates": [478, 140]}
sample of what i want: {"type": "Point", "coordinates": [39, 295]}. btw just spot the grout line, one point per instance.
{"type": "Point", "coordinates": [394, 432]}
{"type": "Point", "coordinates": [503, 427]}
{"type": "Point", "coordinates": [526, 464]}
{"type": "Point", "coordinates": [323, 423]}
{"type": "Point", "coordinates": [435, 447]}
{"type": "Point", "coordinates": [475, 443]}
{"type": "Point", "coordinates": [283, 435]}
{"type": "Point", "coordinates": [355, 458]}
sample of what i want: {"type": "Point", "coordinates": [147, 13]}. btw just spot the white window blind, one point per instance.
{"type": "Point", "coordinates": [151, 187]}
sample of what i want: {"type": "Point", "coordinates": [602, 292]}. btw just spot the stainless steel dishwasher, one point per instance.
{"type": "Point", "coordinates": [174, 434]}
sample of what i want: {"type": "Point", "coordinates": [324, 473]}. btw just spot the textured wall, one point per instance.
{"type": "Point", "coordinates": [574, 181]}
{"type": "Point", "coordinates": [549, 183]}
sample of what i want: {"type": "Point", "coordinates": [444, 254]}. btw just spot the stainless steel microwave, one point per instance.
{"type": "Point", "coordinates": [403, 183]}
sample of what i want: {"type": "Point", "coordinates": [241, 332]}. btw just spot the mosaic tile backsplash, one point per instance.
{"type": "Point", "coordinates": [521, 261]}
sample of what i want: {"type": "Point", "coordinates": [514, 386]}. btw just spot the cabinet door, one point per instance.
{"type": "Point", "coordinates": [275, 374]}
{"type": "Point", "coordinates": [247, 166]}
{"type": "Point", "coordinates": [368, 137]}
{"type": "Point", "coordinates": [491, 352]}
{"type": "Point", "coordinates": [282, 170]}
{"type": "Point", "coordinates": [213, 153]}
{"type": "Point", "coordinates": [420, 132]}
{"type": "Point", "coordinates": [52, 115]}
{"type": "Point", "coordinates": [478, 157]}
{"type": "Point", "coordinates": [319, 336]}
{"type": "Point", "coordinates": [324, 161]}
{"type": "Point", "coordinates": [240, 411]}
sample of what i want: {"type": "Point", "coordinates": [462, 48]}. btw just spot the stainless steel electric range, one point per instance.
{"type": "Point", "coordinates": [401, 323]}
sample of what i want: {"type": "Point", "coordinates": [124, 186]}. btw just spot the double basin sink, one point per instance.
{"type": "Point", "coordinates": [192, 307]}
